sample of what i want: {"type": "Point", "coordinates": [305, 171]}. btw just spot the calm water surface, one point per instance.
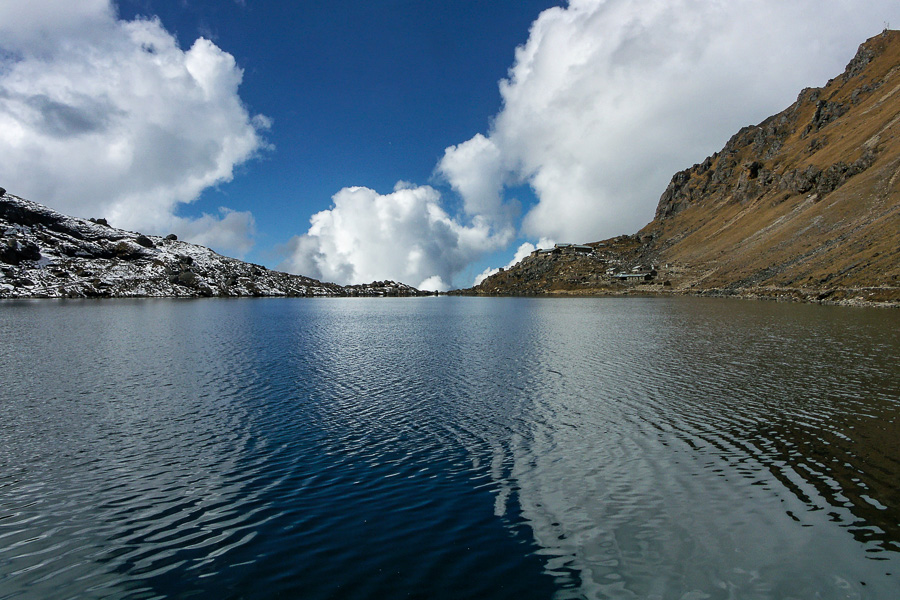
{"type": "Point", "coordinates": [448, 448]}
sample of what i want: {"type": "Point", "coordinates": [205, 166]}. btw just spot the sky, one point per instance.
{"type": "Point", "coordinates": [427, 142]}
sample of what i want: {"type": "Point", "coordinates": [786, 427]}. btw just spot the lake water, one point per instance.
{"type": "Point", "coordinates": [448, 448]}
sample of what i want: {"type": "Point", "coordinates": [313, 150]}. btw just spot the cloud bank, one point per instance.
{"type": "Point", "coordinates": [603, 104]}
{"type": "Point", "coordinates": [102, 117]}
{"type": "Point", "coordinates": [405, 235]}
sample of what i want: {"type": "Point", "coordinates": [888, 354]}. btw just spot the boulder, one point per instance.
{"type": "Point", "coordinates": [14, 251]}
{"type": "Point", "coordinates": [144, 241]}
{"type": "Point", "coordinates": [187, 278]}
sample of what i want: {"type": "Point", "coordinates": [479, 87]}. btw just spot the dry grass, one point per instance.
{"type": "Point", "coordinates": [844, 239]}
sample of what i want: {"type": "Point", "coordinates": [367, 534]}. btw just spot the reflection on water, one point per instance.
{"type": "Point", "coordinates": [449, 447]}
{"type": "Point", "coordinates": [708, 453]}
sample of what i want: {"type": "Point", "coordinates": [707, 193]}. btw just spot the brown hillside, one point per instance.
{"type": "Point", "coordinates": [807, 199]}
{"type": "Point", "coordinates": [804, 205]}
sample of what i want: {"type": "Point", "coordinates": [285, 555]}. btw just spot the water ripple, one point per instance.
{"type": "Point", "coordinates": [508, 448]}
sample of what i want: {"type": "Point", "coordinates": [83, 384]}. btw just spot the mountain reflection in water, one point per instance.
{"type": "Point", "coordinates": [664, 453]}
{"type": "Point", "coordinates": [449, 447]}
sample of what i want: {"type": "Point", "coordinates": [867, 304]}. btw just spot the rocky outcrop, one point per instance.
{"type": "Point", "coordinates": [45, 254]}
{"type": "Point", "coordinates": [616, 266]}
{"type": "Point", "coordinates": [767, 157]}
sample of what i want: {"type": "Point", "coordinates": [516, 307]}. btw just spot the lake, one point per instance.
{"type": "Point", "coordinates": [449, 448]}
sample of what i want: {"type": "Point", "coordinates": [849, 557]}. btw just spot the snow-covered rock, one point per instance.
{"type": "Point", "coordinates": [45, 254]}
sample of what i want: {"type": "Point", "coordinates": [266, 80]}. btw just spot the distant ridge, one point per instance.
{"type": "Point", "coordinates": [45, 254]}
{"type": "Point", "coordinates": [803, 206]}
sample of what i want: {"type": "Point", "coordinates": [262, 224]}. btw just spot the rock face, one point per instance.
{"type": "Point", "coordinates": [805, 205]}
{"type": "Point", "coordinates": [45, 254]}
{"type": "Point", "coordinates": [614, 266]}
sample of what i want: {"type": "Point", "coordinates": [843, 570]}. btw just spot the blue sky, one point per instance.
{"type": "Point", "coordinates": [419, 141]}
{"type": "Point", "coordinates": [360, 93]}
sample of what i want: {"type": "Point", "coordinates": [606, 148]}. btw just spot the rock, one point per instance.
{"type": "Point", "coordinates": [752, 168]}
{"type": "Point", "coordinates": [14, 251]}
{"type": "Point", "coordinates": [172, 237]}
{"type": "Point", "coordinates": [858, 64]}
{"type": "Point", "coordinates": [144, 241]}
{"type": "Point", "coordinates": [188, 278]}
{"type": "Point", "coordinates": [124, 250]}
{"type": "Point", "coordinates": [800, 181]}
{"type": "Point", "coordinates": [826, 112]}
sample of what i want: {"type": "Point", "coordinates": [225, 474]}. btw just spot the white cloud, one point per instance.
{"type": "Point", "coordinates": [433, 283]}
{"type": "Point", "coordinates": [405, 235]}
{"type": "Point", "coordinates": [232, 229]}
{"type": "Point", "coordinates": [475, 170]}
{"type": "Point", "coordinates": [29, 25]}
{"type": "Point", "coordinates": [101, 117]}
{"type": "Point", "coordinates": [609, 98]}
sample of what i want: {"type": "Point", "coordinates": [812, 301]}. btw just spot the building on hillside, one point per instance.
{"type": "Point", "coordinates": [639, 273]}
{"type": "Point", "coordinates": [580, 248]}
{"type": "Point", "coordinates": [563, 248]}
{"type": "Point", "coordinates": [642, 276]}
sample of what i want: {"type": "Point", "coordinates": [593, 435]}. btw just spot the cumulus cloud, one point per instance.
{"type": "Point", "coordinates": [476, 172]}
{"type": "Point", "coordinates": [102, 117]}
{"type": "Point", "coordinates": [608, 98]}
{"type": "Point", "coordinates": [405, 235]}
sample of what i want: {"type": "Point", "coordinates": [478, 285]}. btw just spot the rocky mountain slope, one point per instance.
{"type": "Point", "coordinates": [805, 205]}
{"type": "Point", "coordinates": [45, 254]}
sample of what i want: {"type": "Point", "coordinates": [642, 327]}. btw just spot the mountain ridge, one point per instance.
{"type": "Point", "coordinates": [46, 254]}
{"type": "Point", "coordinates": [802, 206]}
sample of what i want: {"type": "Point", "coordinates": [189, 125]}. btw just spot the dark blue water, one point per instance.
{"type": "Point", "coordinates": [448, 448]}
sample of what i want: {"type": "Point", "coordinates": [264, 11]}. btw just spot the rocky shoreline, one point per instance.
{"type": "Point", "coordinates": [855, 297]}
{"type": "Point", "coordinates": [45, 254]}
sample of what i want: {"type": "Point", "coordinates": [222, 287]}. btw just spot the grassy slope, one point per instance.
{"type": "Point", "coordinates": [746, 234]}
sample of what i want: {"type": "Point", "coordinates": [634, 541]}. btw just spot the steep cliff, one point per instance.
{"type": "Point", "coordinates": [805, 205]}
{"type": "Point", "coordinates": [45, 254]}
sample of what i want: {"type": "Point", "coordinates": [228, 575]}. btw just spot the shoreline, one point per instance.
{"type": "Point", "coordinates": [847, 297]}
{"type": "Point", "coordinates": [864, 297]}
